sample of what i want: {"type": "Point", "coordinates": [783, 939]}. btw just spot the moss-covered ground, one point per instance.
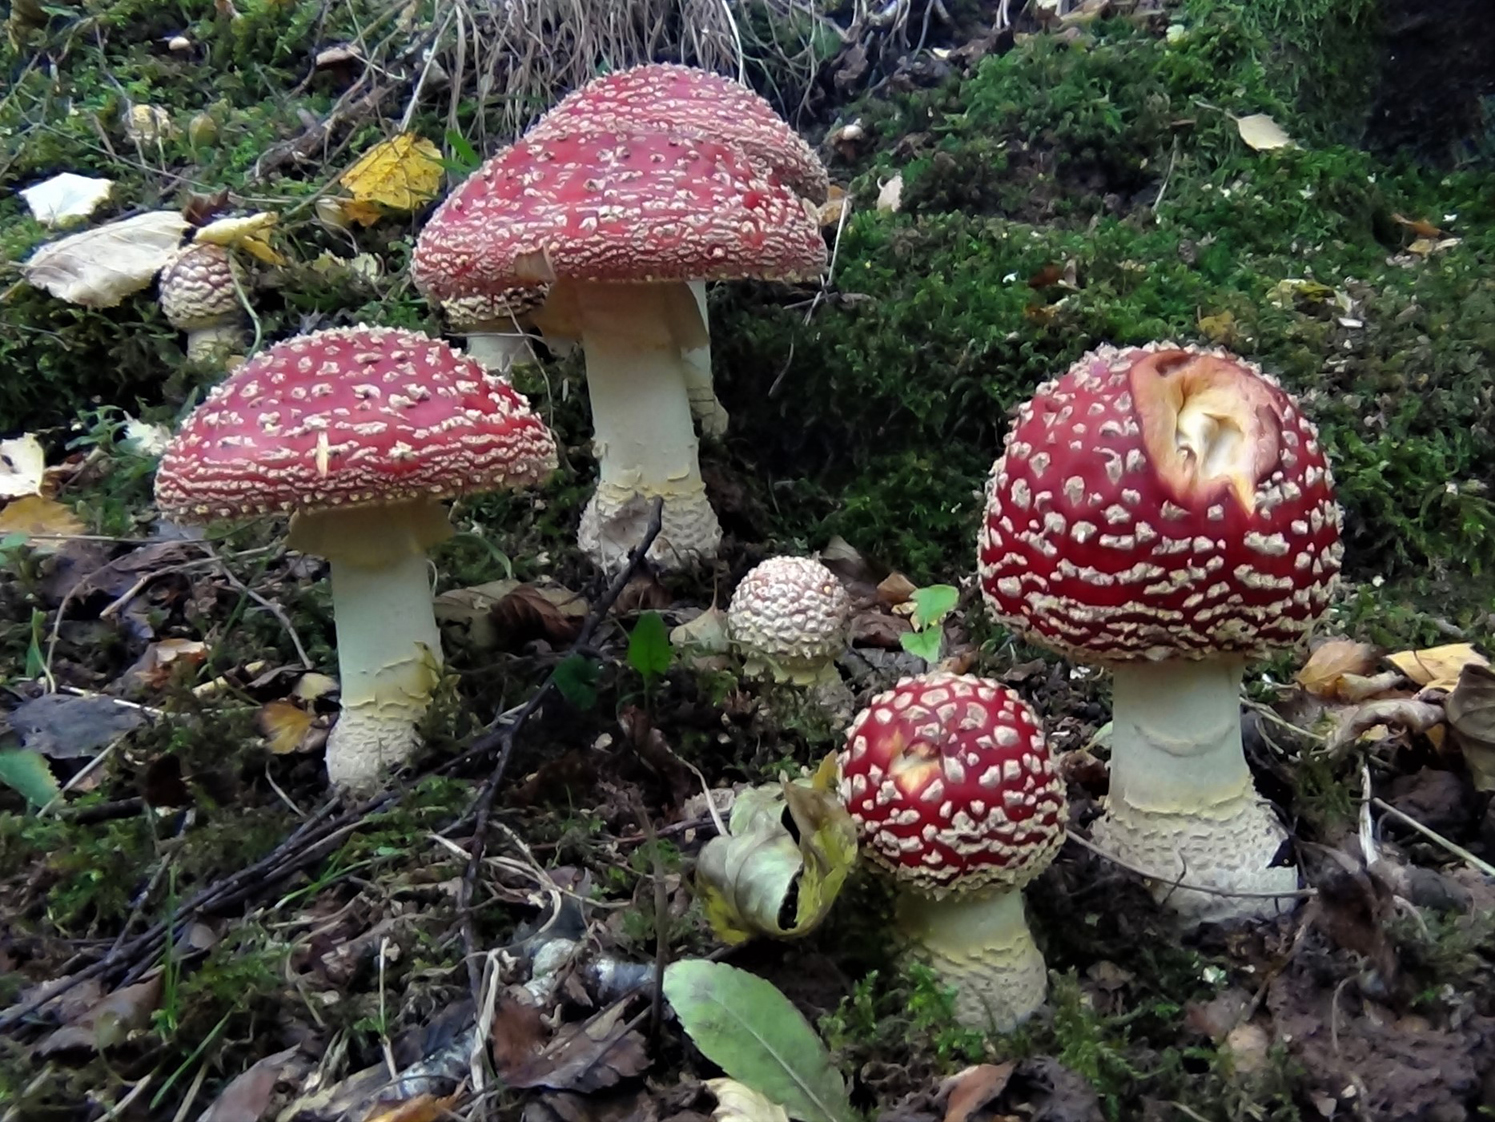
{"type": "Point", "coordinates": [1078, 184]}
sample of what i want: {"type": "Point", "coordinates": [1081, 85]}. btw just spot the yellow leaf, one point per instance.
{"type": "Point", "coordinates": [1323, 674]}
{"type": "Point", "coordinates": [1438, 667]}
{"type": "Point", "coordinates": [249, 232]}
{"type": "Point", "coordinates": [33, 515]}
{"type": "Point", "coordinates": [365, 214]}
{"type": "Point", "coordinates": [397, 174]}
{"type": "Point", "coordinates": [262, 251]}
{"type": "Point", "coordinates": [1262, 133]}
{"type": "Point", "coordinates": [1218, 328]}
{"type": "Point", "coordinates": [284, 724]}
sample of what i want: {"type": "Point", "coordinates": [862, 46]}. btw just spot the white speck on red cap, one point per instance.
{"type": "Point", "coordinates": [350, 417]}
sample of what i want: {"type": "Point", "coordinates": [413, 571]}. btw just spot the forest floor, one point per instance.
{"type": "Point", "coordinates": [239, 944]}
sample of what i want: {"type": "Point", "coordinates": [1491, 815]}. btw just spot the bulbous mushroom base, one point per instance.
{"type": "Point", "coordinates": [364, 747]}
{"type": "Point", "coordinates": [1231, 849]}
{"type": "Point", "coordinates": [615, 519]}
{"type": "Point", "coordinates": [979, 944]}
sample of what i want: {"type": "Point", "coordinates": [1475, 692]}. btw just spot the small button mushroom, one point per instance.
{"type": "Point", "coordinates": [360, 434]}
{"type": "Point", "coordinates": [791, 617]}
{"type": "Point", "coordinates": [954, 794]}
{"type": "Point", "coordinates": [1168, 512]}
{"type": "Point", "coordinates": [199, 296]}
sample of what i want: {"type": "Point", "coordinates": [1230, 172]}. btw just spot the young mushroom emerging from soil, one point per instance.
{"type": "Point", "coordinates": [954, 793]}
{"type": "Point", "coordinates": [618, 223]}
{"type": "Point", "coordinates": [198, 296]}
{"type": "Point", "coordinates": [359, 434]}
{"type": "Point", "coordinates": [1168, 513]}
{"type": "Point", "coordinates": [686, 102]}
{"type": "Point", "coordinates": [791, 617]}
{"type": "Point", "coordinates": [494, 325]}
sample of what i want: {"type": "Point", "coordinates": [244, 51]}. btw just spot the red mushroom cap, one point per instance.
{"type": "Point", "coordinates": [952, 786]}
{"type": "Point", "coordinates": [613, 206]}
{"type": "Point", "coordinates": [1160, 502]}
{"type": "Point", "coordinates": [687, 102]}
{"type": "Point", "coordinates": [348, 417]}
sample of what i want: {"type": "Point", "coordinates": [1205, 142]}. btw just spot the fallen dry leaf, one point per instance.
{"type": "Point", "coordinates": [42, 521]}
{"type": "Point", "coordinates": [398, 174]}
{"type": "Point", "coordinates": [107, 1023]}
{"type": "Point", "coordinates": [423, 1108]}
{"type": "Point", "coordinates": [1412, 715]}
{"type": "Point", "coordinates": [1262, 133]}
{"type": "Point", "coordinates": [100, 267]}
{"type": "Point", "coordinates": [285, 727]}
{"type": "Point", "coordinates": [248, 1094]}
{"type": "Point", "coordinates": [23, 465]}
{"type": "Point", "coordinates": [53, 201]}
{"type": "Point", "coordinates": [837, 201]}
{"type": "Point", "coordinates": [160, 660]}
{"type": "Point", "coordinates": [737, 1102]}
{"type": "Point", "coordinates": [584, 1056]}
{"type": "Point", "coordinates": [249, 232]}
{"type": "Point", "coordinates": [1437, 667]}
{"type": "Point", "coordinates": [1330, 661]}
{"type": "Point", "coordinates": [1419, 227]}
{"type": "Point", "coordinates": [968, 1091]}
{"type": "Point", "coordinates": [890, 193]}
{"type": "Point", "coordinates": [1471, 715]}
{"type": "Point", "coordinates": [63, 726]}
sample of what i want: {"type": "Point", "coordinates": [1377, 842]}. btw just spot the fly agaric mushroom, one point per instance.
{"type": "Point", "coordinates": [199, 296]}
{"type": "Point", "coordinates": [618, 223]}
{"type": "Point", "coordinates": [954, 793]}
{"type": "Point", "coordinates": [359, 434]}
{"type": "Point", "coordinates": [1168, 512]}
{"type": "Point", "coordinates": [494, 325]}
{"type": "Point", "coordinates": [791, 616]}
{"type": "Point", "coordinates": [684, 101]}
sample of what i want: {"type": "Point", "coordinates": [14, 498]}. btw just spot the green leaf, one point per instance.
{"type": "Point", "coordinates": [464, 158]}
{"type": "Point", "coordinates": [36, 663]}
{"type": "Point", "coordinates": [933, 604]}
{"type": "Point", "coordinates": [925, 644]}
{"type": "Point", "coordinates": [649, 650]}
{"type": "Point", "coordinates": [755, 1034]}
{"type": "Point", "coordinates": [28, 772]}
{"type": "Point", "coordinates": [576, 678]}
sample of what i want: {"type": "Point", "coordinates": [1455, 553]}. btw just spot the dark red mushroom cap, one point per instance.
{"type": "Point", "coordinates": [683, 101]}
{"type": "Point", "coordinates": [349, 417]}
{"type": "Point", "coordinates": [952, 786]}
{"type": "Point", "coordinates": [1160, 502]}
{"type": "Point", "coordinates": [612, 206]}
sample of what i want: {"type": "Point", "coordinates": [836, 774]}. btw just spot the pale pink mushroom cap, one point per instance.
{"type": "Point", "coordinates": [348, 417]}
{"type": "Point", "coordinates": [683, 101]}
{"type": "Point", "coordinates": [615, 207]}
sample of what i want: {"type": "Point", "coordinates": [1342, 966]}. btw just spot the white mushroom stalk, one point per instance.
{"type": "Point", "coordinates": [359, 434]}
{"type": "Point", "coordinates": [1168, 513]}
{"type": "Point", "coordinates": [954, 793]}
{"type": "Point", "coordinates": [710, 415]}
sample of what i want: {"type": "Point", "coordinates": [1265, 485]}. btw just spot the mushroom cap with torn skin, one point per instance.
{"type": "Point", "coordinates": [1160, 502]}
{"type": "Point", "coordinates": [1168, 512]}
{"type": "Point", "coordinates": [620, 222]}
{"type": "Point", "coordinates": [359, 434]}
{"type": "Point", "coordinates": [792, 615]}
{"type": "Point", "coordinates": [954, 793]}
{"type": "Point", "coordinates": [685, 101]}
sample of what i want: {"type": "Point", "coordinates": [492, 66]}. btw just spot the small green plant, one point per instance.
{"type": "Point", "coordinates": [649, 649]}
{"type": "Point", "coordinates": [931, 605]}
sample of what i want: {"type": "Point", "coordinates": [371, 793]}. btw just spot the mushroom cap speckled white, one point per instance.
{"type": "Point", "coordinates": [197, 286]}
{"type": "Point", "coordinates": [689, 102]}
{"type": "Point", "coordinates": [792, 611]}
{"type": "Point", "coordinates": [952, 786]}
{"type": "Point", "coordinates": [1160, 502]}
{"type": "Point", "coordinates": [478, 310]}
{"type": "Point", "coordinates": [615, 207]}
{"type": "Point", "coordinates": [348, 417]}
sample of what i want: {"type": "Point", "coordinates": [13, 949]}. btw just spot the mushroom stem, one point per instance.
{"type": "Point", "coordinates": [214, 340]}
{"type": "Point", "coordinates": [500, 349]}
{"type": "Point", "coordinates": [979, 943]}
{"type": "Point", "coordinates": [704, 404]}
{"type": "Point", "coordinates": [1182, 801]}
{"type": "Point", "coordinates": [644, 439]}
{"type": "Point", "coordinates": [388, 643]}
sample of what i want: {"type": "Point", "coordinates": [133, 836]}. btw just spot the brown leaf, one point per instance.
{"type": "Point", "coordinates": [518, 1034]}
{"type": "Point", "coordinates": [968, 1091]}
{"type": "Point", "coordinates": [1414, 716]}
{"type": "Point", "coordinates": [895, 589]}
{"type": "Point", "coordinates": [533, 611]}
{"type": "Point", "coordinates": [248, 1095]}
{"type": "Point", "coordinates": [1419, 227]}
{"type": "Point", "coordinates": [423, 1108]}
{"type": "Point", "coordinates": [878, 629]}
{"type": "Point", "coordinates": [42, 521]}
{"type": "Point", "coordinates": [1331, 660]}
{"type": "Point", "coordinates": [109, 1022]}
{"type": "Point", "coordinates": [1471, 715]}
{"type": "Point", "coordinates": [154, 669]}
{"type": "Point", "coordinates": [585, 1056]}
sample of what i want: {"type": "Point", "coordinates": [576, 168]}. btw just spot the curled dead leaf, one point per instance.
{"type": "Point", "coordinates": [1471, 715]}
{"type": "Point", "coordinates": [100, 267]}
{"type": "Point", "coordinates": [1323, 674]}
{"type": "Point", "coordinates": [1437, 667]}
